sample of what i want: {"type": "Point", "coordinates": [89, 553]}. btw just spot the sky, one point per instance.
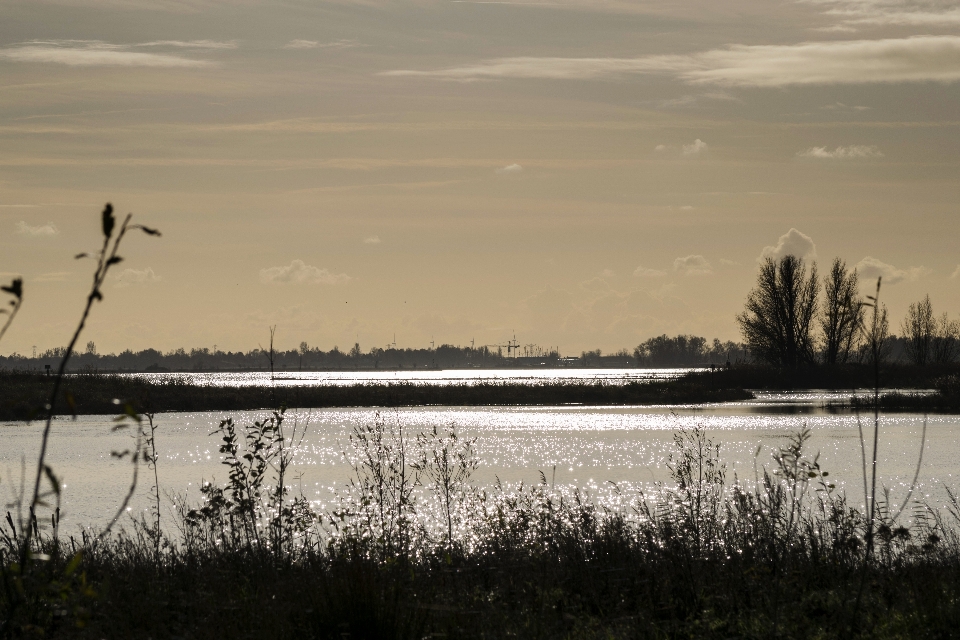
{"type": "Point", "coordinates": [579, 173]}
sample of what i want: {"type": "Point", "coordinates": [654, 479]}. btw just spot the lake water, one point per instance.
{"type": "Point", "coordinates": [421, 376]}
{"type": "Point", "coordinates": [582, 446]}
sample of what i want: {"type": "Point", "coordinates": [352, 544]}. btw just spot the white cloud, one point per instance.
{"type": "Point", "coordinates": [792, 243]}
{"type": "Point", "coordinates": [302, 44]}
{"type": "Point", "coordinates": [686, 207]}
{"type": "Point", "coordinates": [129, 277]}
{"type": "Point", "coordinates": [315, 44]}
{"type": "Point", "coordinates": [48, 229]}
{"type": "Point", "coordinates": [54, 276]}
{"type": "Point", "coordinates": [911, 59]}
{"type": "Point", "coordinates": [692, 265]}
{"type": "Point", "coordinates": [839, 106]}
{"type": "Point", "coordinates": [300, 273]}
{"type": "Point", "coordinates": [93, 53]}
{"type": "Point", "coordinates": [841, 153]}
{"type": "Point", "coordinates": [956, 273]}
{"type": "Point", "coordinates": [509, 169]}
{"type": "Point", "coordinates": [644, 272]}
{"type": "Point", "coordinates": [190, 44]}
{"type": "Point", "coordinates": [371, 240]}
{"type": "Point", "coordinates": [871, 268]}
{"type": "Point", "coordinates": [660, 147]}
{"type": "Point", "coordinates": [695, 148]}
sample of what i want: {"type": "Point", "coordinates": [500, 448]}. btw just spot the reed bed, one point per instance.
{"type": "Point", "coordinates": [22, 395]}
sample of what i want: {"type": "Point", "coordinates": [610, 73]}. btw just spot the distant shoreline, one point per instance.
{"type": "Point", "coordinates": [22, 394]}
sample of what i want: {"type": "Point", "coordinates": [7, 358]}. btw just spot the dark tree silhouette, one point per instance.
{"type": "Point", "coordinates": [945, 345]}
{"type": "Point", "coordinates": [842, 315]}
{"type": "Point", "coordinates": [918, 328]}
{"type": "Point", "coordinates": [778, 316]}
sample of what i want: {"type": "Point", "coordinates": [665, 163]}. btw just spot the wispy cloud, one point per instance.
{"type": "Point", "coordinates": [956, 273]}
{"type": "Point", "coordinates": [297, 272]}
{"type": "Point", "coordinates": [904, 13]}
{"type": "Point", "coordinates": [912, 59]}
{"type": "Point", "coordinates": [792, 243]}
{"type": "Point", "coordinates": [190, 44]}
{"type": "Point", "coordinates": [129, 277]}
{"type": "Point", "coordinates": [371, 240]}
{"type": "Point", "coordinates": [839, 106]}
{"type": "Point", "coordinates": [316, 44]}
{"type": "Point", "coordinates": [54, 276]}
{"type": "Point", "coordinates": [692, 265]}
{"type": "Point", "coordinates": [841, 153]}
{"type": "Point", "coordinates": [48, 229]}
{"type": "Point", "coordinates": [644, 272]}
{"type": "Point", "coordinates": [871, 268]}
{"type": "Point", "coordinates": [509, 169]}
{"type": "Point", "coordinates": [93, 53]}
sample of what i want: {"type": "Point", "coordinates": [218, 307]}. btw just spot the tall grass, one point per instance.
{"type": "Point", "coordinates": [414, 549]}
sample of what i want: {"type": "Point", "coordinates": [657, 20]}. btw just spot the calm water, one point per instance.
{"type": "Point", "coordinates": [588, 447]}
{"type": "Point", "coordinates": [441, 377]}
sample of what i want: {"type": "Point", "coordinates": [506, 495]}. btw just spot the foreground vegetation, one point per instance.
{"type": "Point", "coordinates": [22, 395]}
{"type": "Point", "coordinates": [414, 550]}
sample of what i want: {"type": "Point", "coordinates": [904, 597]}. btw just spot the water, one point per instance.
{"type": "Point", "coordinates": [432, 377]}
{"type": "Point", "coordinates": [586, 447]}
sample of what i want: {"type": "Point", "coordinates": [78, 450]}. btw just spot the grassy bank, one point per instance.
{"type": "Point", "coordinates": [414, 551]}
{"type": "Point", "coordinates": [21, 394]}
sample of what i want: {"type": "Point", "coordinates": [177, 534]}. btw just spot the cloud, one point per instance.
{"type": "Point", "coordinates": [870, 268]}
{"type": "Point", "coordinates": [129, 277]}
{"type": "Point", "coordinates": [695, 148]}
{"type": "Point", "coordinates": [300, 273]}
{"type": "Point", "coordinates": [190, 44]}
{"type": "Point", "coordinates": [692, 266]}
{"type": "Point", "coordinates": [686, 207]}
{"type": "Point", "coordinates": [48, 229]}
{"type": "Point", "coordinates": [372, 240]}
{"type": "Point", "coordinates": [792, 243]}
{"type": "Point", "coordinates": [911, 59]}
{"type": "Point", "coordinates": [660, 147]}
{"type": "Point", "coordinates": [509, 169]}
{"type": "Point", "coordinates": [54, 276]}
{"type": "Point", "coordinates": [841, 153]}
{"type": "Point", "coordinates": [643, 272]}
{"type": "Point", "coordinates": [839, 106]}
{"type": "Point", "coordinates": [315, 44]}
{"type": "Point", "coordinates": [93, 53]}
{"type": "Point", "coordinates": [899, 13]}
{"type": "Point", "coordinates": [956, 273]}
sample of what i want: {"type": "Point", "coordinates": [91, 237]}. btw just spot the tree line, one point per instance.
{"type": "Point", "coordinates": [793, 318]}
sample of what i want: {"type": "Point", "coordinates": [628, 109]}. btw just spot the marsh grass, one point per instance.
{"type": "Point", "coordinates": [413, 549]}
{"type": "Point", "coordinates": [23, 394]}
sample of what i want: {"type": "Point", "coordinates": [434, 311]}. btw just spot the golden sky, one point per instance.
{"type": "Point", "coordinates": [585, 174]}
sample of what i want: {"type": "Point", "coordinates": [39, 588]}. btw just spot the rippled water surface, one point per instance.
{"type": "Point", "coordinates": [420, 376]}
{"type": "Point", "coordinates": [588, 447]}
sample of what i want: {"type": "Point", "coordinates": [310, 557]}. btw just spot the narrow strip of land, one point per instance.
{"type": "Point", "coordinates": [22, 396]}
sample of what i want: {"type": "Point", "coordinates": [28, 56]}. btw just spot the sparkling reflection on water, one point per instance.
{"type": "Point", "coordinates": [420, 376]}
{"type": "Point", "coordinates": [574, 446]}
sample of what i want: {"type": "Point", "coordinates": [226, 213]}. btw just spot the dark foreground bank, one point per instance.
{"type": "Point", "coordinates": [707, 558]}
{"type": "Point", "coordinates": [23, 394]}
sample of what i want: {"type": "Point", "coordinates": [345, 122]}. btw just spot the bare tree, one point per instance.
{"type": "Point", "coordinates": [779, 312]}
{"type": "Point", "coordinates": [918, 328]}
{"type": "Point", "coordinates": [842, 314]}
{"type": "Point", "coordinates": [945, 343]}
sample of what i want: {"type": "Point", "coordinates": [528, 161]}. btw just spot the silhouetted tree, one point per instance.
{"type": "Point", "coordinates": [918, 328]}
{"type": "Point", "coordinates": [778, 316]}
{"type": "Point", "coordinates": [842, 315]}
{"type": "Point", "coordinates": [945, 343]}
